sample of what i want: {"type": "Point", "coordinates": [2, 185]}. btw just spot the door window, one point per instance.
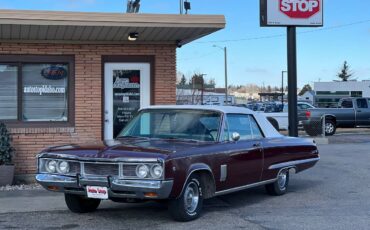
{"type": "Point", "coordinates": [126, 97]}
{"type": "Point", "coordinates": [245, 125]}
{"type": "Point", "coordinates": [347, 104]}
{"type": "Point", "coordinates": [362, 104]}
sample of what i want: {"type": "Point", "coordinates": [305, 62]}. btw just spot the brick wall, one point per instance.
{"type": "Point", "coordinates": [88, 94]}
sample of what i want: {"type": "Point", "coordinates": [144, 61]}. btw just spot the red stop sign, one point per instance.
{"type": "Point", "coordinates": [299, 8]}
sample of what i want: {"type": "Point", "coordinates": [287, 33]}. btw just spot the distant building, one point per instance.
{"type": "Point", "coordinates": [308, 96]}
{"type": "Point", "coordinates": [194, 97]}
{"type": "Point", "coordinates": [328, 94]}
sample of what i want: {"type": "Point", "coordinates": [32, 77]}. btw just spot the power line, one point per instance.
{"type": "Point", "coordinates": [283, 34]}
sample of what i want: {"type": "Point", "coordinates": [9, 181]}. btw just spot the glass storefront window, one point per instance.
{"type": "Point", "coordinates": [8, 92]}
{"type": "Point", "coordinates": [45, 88]}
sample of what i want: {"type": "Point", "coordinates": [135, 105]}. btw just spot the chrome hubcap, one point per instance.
{"type": "Point", "coordinates": [329, 128]}
{"type": "Point", "coordinates": [282, 179]}
{"type": "Point", "coordinates": [191, 197]}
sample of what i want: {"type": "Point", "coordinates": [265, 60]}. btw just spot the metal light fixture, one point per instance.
{"type": "Point", "coordinates": [133, 6]}
{"type": "Point", "coordinates": [187, 6]}
{"type": "Point", "coordinates": [133, 36]}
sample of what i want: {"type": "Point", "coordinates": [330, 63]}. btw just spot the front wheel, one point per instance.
{"type": "Point", "coordinates": [79, 204]}
{"type": "Point", "coordinates": [189, 205]}
{"type": "Point", "coordinates": [280, 186]}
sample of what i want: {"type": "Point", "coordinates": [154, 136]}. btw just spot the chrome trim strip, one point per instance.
{"type": "Point", "coordinates": [292, 163]}
{"type": "Point", "coordinates": [223, 173]}
{"type": "Point", "coordinates": [236, 189]}
{"type": "Point", "coordinates": [138, 184]}
{"type": "Point", "coordinates": [92, 160]}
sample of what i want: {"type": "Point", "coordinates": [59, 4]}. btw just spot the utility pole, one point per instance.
{"type": "Point", "coordinates": [226, 84]}
{"type": "Point", "coordinates": [181, 6]}
{"type": "Point", "coordinates": [282, 88]}
{"type": "Point", "coordinates": [292, 81]}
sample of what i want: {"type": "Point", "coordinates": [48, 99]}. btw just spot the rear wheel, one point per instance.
{"type": "Point", "coordinates": [330, 128]}
{"type": "Point", "coordinates": [189, 205]}
{"type": "Point", "coordinates": [79, 204]}
{"type": "Point", "coordinates": [312, 131]}
{"type": "Point", "coordinates": [280, 186]}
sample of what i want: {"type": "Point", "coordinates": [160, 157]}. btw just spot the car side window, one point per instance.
{"type": "Point", "coordinates": [347, 104]}
{"type": "Point", "coordinates": [362, 104]}
{"type": "Point", "coordinates": [256, 131]}
{"type": "Point", "coordinates": [245, 125]}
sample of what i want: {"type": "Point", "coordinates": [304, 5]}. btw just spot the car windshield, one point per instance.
{"type": "Point", "coordinates": [185, 124]}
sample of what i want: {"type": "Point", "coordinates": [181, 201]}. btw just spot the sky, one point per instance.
{"type": "Point", "coordinates": [256, 55]}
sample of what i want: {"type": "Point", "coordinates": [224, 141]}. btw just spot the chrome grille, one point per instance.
{"type": "Point", "coordinates": [129, 170]}
{"type": "Point", "coordinates": [74, 167]}
{"type": "Point", "coordinates": [101, 169]}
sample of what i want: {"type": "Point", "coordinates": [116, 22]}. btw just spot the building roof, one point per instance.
{"type": "Point", "coordinates": [81, 27]}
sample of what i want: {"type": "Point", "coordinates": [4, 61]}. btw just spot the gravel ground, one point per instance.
{"type": "Point", "coordinates": [21, 187]}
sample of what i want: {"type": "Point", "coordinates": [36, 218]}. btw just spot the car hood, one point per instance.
{"type": "Point", "coordinates": [128, 148]}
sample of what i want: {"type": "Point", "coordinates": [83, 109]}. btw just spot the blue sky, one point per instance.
{"type": "Point", "coordinates": [253, 58]}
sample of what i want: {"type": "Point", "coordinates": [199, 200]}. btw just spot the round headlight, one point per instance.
{"type": "Point", "coordinates": [51, 166]}
{"type": "Point", "coordinates": [142, 171]}
{"type": "Point", "coordinates": [63, 167]}
{"type": "Point", "coordinates": [156, 171]}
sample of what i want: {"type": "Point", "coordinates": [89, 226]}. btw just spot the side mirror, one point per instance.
{"type": "Point", "coordinates": [235, 136]}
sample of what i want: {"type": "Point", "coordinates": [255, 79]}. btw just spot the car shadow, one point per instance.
{"type": "Point", "coordinates": [245, 198]}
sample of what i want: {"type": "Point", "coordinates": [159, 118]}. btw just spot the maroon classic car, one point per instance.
{"type": "Point", "coordinates": [183, 154]}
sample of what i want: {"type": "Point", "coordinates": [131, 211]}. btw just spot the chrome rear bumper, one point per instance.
{"type": "Point", "coordinates": [117, 188]}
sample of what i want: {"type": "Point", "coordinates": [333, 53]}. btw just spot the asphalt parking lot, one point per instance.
{"type": "Point", "coordinates": [333, 195]}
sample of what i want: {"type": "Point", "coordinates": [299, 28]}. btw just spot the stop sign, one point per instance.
{"type": "Point", "coordinates": [299, 9]}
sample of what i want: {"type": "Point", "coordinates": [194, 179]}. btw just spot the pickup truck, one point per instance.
{"type": "Point", "coordinates": [280, 120]}
{"type": "Point", "coordinates": [351, 113]}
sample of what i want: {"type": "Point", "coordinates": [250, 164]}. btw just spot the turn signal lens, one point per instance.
{"type": "Point", "coordinates": [142, 171]}
{"type": "Point", "coordinates": [151, 194]}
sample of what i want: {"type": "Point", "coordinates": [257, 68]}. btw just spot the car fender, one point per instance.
{"type": "Point", "coordinates": [193, 168]}
{"type": "Point", "coordinates": [331, 116]}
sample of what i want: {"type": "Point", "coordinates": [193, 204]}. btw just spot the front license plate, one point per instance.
{"type": "Point", "coordinates": [97, 192]}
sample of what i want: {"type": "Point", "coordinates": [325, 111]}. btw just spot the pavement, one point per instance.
{"type": "Point", "coordinates": [332, 195]}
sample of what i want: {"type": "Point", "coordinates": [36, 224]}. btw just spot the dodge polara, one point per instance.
{"type": "Point", "coordinates": [182, 154]}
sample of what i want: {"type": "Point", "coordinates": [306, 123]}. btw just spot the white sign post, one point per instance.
{"type": "Point", "coordinates": [290, 14]}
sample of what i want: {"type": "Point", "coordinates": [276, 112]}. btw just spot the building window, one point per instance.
{"type": "Point", "coordinates": [8, 92]}
{"type": "Point", "coordinates": [335, 93]}
{"type": "Point", "coordinates": [356, 93]}
{"type": "Point", "coordinates": [45, 88]}
{"type": "Point", "coordinates": [36, 89]}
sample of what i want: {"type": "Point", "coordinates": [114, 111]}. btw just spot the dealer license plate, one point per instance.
{"type": "Point", "coordinates": [97, 192]}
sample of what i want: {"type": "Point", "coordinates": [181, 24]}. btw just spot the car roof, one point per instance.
{"type": "Point", "coordinates": [268, 130]}
{"type": "Point", "coordinates": [222, 109]}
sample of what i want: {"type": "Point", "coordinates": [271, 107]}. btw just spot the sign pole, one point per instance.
{"type": "Point", "coordinates": [292, 81]}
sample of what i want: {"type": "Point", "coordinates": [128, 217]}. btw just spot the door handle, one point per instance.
{"type": "Point", "coordinates": [106, 120]}
{"type": "Point", "coordinates": [359, 111]}
{"type": "Point", "coordinates": [257, 145]}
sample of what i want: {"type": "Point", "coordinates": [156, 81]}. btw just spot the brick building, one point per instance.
{"type": "Point", "coordinates": [68, 77]}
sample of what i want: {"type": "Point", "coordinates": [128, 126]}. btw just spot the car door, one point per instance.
{"type": "Point", "coordinates": [244, 164]}
{"type": "Point", "coordinates": [362, 112]}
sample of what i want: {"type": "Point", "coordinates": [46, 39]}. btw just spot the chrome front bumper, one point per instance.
{"type": "Point", "coordinates": [117, 188]}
